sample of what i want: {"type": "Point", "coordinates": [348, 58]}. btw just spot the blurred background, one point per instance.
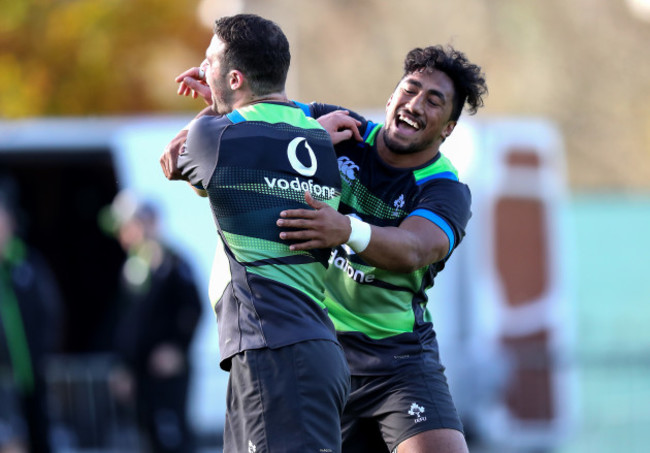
{"type": "Point", "coordinates": [543, 311]}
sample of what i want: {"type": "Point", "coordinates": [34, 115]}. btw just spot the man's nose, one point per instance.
{"type": "Point", "coordinates": [416, 104]}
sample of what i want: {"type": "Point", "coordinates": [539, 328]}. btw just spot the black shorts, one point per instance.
{"type": "Point", "coordinates": [288, 399]}
{"type": "Point", "coordinates": [383, 411]}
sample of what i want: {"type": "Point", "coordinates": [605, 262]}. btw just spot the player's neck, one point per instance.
{"type": "Point", "coordinates": [254, 99]}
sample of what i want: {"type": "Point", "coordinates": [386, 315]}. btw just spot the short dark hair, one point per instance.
{"type": "Point", "coordinates": [469, 81]}
{"type": "Point", "coordinates": [258, 48]}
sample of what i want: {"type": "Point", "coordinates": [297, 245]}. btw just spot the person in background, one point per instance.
{"type": "Point", "coordinates": [159, 309]}
{"type": "Point", "coordinates": [30, 331]}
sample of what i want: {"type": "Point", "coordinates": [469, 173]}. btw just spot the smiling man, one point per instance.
{"type": "Point", "coordinates": [403, 211]}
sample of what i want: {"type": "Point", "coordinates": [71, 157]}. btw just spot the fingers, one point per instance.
{"type": "Point", "coordinates": [307, 243]}
{"type": "Point", "coordinates": [293, 219]}
{"type": "Point", "coordinates": [341, 126]}
{"type": "Point", "coordinates": [169, 157]}
{"type": "Point", "coordinates": [192, 72]}
{"type": "Point", "coordinates": [189, 86]}
{"type": "Point", "coordinates": [192, 83]}
{"type": "Point", "coordinates": [196, 88]}
{"type": "Point", "coordinates": [355, 131]}
{"type": "Point", "coordinates": [311, 201]}
{"type": "Point", "coordinates": [341, 136]}
{"type": "Point", "coordinates": [166, 168]}
{"type": "Point", "coordinates": [302, 235]}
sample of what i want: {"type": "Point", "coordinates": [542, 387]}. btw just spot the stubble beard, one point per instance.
{"type": "Point", "coordinates": [399, 148]}
{"type": "Point", "coordinates": [222, 98]}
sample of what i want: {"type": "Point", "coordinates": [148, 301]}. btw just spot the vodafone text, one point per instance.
{"type": "Point", "coordinates": [343, 264]}
{"type": "Point", "coordinates": [302, 186]}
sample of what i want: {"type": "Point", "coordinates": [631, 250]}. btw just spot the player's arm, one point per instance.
{"type": "Point", "coordinates": [191, 82]}
{"type": "Point", "coordinates": [169, 157]}
{"type": "Point", "coordinates": [417, 241]}
{"type": "Point", "coordinates": [199, 154]}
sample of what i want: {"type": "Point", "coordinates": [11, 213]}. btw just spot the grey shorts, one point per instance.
{"type": "Point", "coordinates": [383, 411]}
{"type": "Point", "coordinates": [288, 399]}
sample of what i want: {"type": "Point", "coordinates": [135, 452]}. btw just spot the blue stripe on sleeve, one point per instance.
{"type": "Point", "coordinates": [439, 221]}
{"type": "Point", "coordinates": [305, 108]}
{"type": "Point", "coordinates": [236, 117]}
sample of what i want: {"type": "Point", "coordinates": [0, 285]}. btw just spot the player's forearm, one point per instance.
{"type": "Point", "coordinates": [169, 157]}
{"type": "Point", "coordinates": [396, 249]}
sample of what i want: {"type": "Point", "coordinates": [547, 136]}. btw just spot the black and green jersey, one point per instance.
{"type": "Point", "coordinates": [381, 316]}
{"type": "Point", "coordinates": [254, 163]}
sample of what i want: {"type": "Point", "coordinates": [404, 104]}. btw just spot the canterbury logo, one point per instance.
{"type": "Point", "coordinates": [347, 168]}
{"type": "Point", "coordinates": [293, 158]}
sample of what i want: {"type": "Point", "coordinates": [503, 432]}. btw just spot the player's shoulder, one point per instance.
{"type": "Point", "coordinates": [318, 109]}
{"type": "Point", "coordinates": [210, 122]}
{"type": "Point", "coordinates": [206, 129]}
{"type": "Point", "coordinates": [451, 194]}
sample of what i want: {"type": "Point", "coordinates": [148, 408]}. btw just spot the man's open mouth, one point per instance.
{"type": "Point", "coordinates": [408, 121]}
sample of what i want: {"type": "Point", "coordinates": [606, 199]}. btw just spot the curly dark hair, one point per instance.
{"type": "Point", "coordinates": [258, 48]}
{"type": "Point", "coordinates": [469, 81]}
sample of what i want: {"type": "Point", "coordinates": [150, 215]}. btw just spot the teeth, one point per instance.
{"type": "Point", "coordinates": [413, 124]}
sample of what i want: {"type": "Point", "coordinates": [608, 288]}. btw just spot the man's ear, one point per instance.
{"type": "Point", "coordinates": [448, 129]}
{"type": "Point", "coordinates": [236, 79]}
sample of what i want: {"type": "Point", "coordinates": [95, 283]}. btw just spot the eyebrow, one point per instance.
{"type": "Point", "coordinates": [431, 91]}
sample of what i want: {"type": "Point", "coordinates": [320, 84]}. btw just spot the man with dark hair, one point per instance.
{"type": "Point", "coordinates": [416, 210]}
{"type": "Point", "coordinates": [288, 376]}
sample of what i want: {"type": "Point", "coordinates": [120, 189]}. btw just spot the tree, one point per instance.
{"type": "Point", "coordinates": [95, 56]}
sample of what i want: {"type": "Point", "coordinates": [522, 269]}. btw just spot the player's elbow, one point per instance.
{"type": "Point", "coordinates": [406, 262]}
{"type": "Point", "coordinates": [414, 259]}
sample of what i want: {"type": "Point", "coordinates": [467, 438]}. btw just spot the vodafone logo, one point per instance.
{"type": "Point", "coordinates": [298, 184]}
{"type": "Point", "coordinates": [293, 158]}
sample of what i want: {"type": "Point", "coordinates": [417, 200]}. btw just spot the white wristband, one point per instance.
{"type": "Point", "coordinates": [360, 234]}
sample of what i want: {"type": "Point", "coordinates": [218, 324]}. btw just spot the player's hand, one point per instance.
{"type": "Point", "coordinates": [169, 157]}
{"type": "Point", "coordinates": [192, 83]}
{"type": "Point", "coordinates": [320, 227]}
{"type": "Point", "coordinates": [341, 126]}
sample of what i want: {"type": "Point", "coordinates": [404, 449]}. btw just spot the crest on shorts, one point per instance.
{"type": "Point", "coordinates": [251, 447]}
{"type": "Point", "coordinates": [417, 411]}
